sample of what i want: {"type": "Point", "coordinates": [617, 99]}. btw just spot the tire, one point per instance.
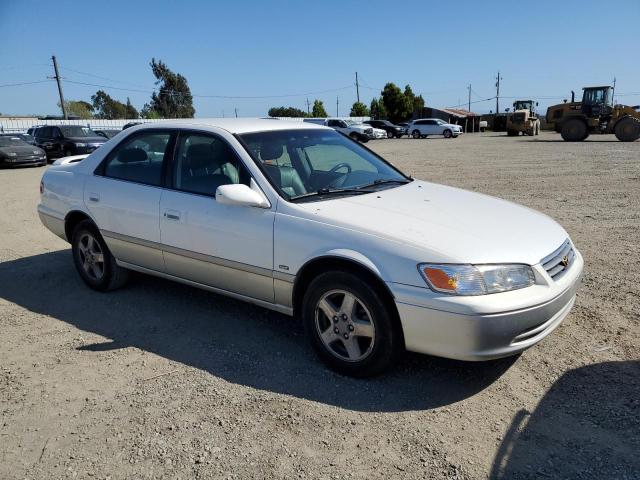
{"type": "Point", "coordinates": [354, 136]}
{"type": "Point", "coordinates": [574, 130]}
{"type": "Point", "coordinates": [627, 129]}
{"type": "Point", "coordinates": [363, 139]}
{"type": "Point", "coordinates": [93, 260]}
{"type": "Point", "coordinates": [416, 133]}
{"type": "Point", "coordinates": [334, 332]}
{"type": "Point", "coordinates": [67, 153]}
{"type": "Point", "coordinates": [447, 133]}
{"type": "Point", "coordinates": [389, 134]}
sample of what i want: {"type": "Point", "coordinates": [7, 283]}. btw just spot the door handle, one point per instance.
{"type": "Point", "coordinates": [172, 215]}
{"type": "Point", "coordinates": [94, 197]}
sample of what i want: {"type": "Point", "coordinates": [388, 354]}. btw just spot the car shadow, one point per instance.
{"type": "Point", "coordinates": [587, 426]}
{"type": "Point", "coordinates": [233, 340]}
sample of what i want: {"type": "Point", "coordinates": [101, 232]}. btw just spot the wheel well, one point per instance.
{"type": "Point", "coordinates": [71, 220]}
{"type": "Point", "coordinates": [325, 264]}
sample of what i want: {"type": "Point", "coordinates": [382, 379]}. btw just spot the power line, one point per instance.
{"type": "Point", "coordinates": [23, 83]}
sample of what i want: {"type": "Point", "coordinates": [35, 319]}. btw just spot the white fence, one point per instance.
{"type": "Point", "coordinates": [21, 125]}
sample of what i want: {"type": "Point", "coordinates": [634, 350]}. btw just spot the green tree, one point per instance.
{"type": "Point", "coordinates": [286, 112]}
{"type": "Point", "coordinates": [359, 109]}
{"type": "Point", "coordinates": [173, 99]}
{"type": "Point", "coordinates": [377, 109]}
{"type": "Point", "coordinates": [413, 104]}
{"type": "Point", "coordinates": [131, 110]}
{"type": "Point", "coordinates": [106, 107]}
{"type": "Point", "coordinates": [78, 108]}
{"type": "Point", "coordinates": [394, 102]}
{"type": "Point", "coordinates": [318, 109]}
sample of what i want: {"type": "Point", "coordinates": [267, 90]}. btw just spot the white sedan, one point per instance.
{"type": "Point", "coordinates": [303, 220]}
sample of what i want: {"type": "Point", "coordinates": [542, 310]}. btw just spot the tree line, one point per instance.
{"type": "Point", "coordinates": [394, 104]}
{"type": "Point", "coordinates": [173, 99]}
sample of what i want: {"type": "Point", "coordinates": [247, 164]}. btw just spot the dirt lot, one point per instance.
{"type": "Point", "coordinates": [160, 380]}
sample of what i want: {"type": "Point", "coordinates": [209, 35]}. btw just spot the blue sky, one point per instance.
{"type": "Point", "coordinates": [263, 48]}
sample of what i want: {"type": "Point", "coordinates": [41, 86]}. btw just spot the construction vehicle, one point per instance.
{"type": "Point", "coordinates": [596, 113]}
{"type": "Point", "coordinates": [523, 119]}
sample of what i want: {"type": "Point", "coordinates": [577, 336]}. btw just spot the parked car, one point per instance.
{"type": "Point", "coordinates": [107, 133]}
{"type": "Point", "coordinates": [424, 127]}
{"type": "Point", "coordinates": [405, 127]}
{"type": "Point", "coordinates": [356, 131]}
{"type": "Point", "coordinates": [16, 152]}
{"type": "Point", "coordinates": [25, 137]}
{"type": "Point", "coordinates": [390, 129]}
{"type": "Point", "coordinates": [378, 133]}
{"type": "Point", "coordinates": [32, 130]}
{"type": "Point", "coordinates": [483, 125]}
{"type": "Point", "coordinates": [67, 140]}
{"type": "Point", "coordinates": [299, 219]}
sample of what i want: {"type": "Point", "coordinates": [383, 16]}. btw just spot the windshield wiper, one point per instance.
{"type": "Point", "coordinates": [384, 181]}
{"type": "Point", "coordinates": [330, 191]}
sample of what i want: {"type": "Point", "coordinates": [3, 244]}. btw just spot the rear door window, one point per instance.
{"type": "Point", "coordinates": [139, 158]}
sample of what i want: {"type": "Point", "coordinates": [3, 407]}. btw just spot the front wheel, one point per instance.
{"type": "Point", "coordinates": [447, 133]}
{"type": "Point", "coordinates": [349, 326]}
{"type": "Point", "coordinates": [416, 133]}
{"type": "Point", "coordinates": [574, 130]}
{"type": "Point", "coordinates": [389, 134]}
{"type": "Point", "coordinates": [93, 260]}
{"type": "Point", "coordinates": [627, 129]}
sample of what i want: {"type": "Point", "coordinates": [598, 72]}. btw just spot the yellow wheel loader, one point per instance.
{"type": "Point", "coordinates": [523, 119]}
{"type": "Point", "coordinates": [596, 113]}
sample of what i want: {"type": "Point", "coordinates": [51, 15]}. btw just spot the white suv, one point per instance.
{"type": "Point", "coordinates": [423, 127]}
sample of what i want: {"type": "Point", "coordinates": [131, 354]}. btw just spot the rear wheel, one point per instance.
{"type": "Point", "coordinates": [447, 133]}
{"type": "Point", "coordinates": [627, 129]}
{"type": "Point", "coordinates": [574, 130]}
{"type": "Point", "coordinates": [349, 326]}
{"type": "Point", "coordinates": [93, 260]}
{"type": "Point", "coordinates": [389, 134]}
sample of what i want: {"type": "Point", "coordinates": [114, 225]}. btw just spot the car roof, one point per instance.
{"type": "Point", "coordinates": [234, 125]}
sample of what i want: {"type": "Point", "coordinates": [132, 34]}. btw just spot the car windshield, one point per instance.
{"type": "Point", "coordinates": [305, 163]}
{"type": "Point", "coordinates": [350, 123]}
{"type": "Point", "coordinates": [77, 131]}
{"type": "Point", "coordinates": [11, 142]}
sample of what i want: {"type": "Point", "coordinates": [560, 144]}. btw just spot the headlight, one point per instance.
{"type": "Point", "coordinates": [80, 145]}
{"type": "Point", "coordinates": [476, 279]}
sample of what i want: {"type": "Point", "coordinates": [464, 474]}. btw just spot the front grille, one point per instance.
{"type": "Point", "coordinates": [559, 261]}
{"type": "Point", "coordinates": [518, 117]}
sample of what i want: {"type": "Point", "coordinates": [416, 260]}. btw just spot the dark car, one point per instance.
{"type": "Point", "coordinates": [22, 136]}
{"type": "Point", "coordinates": [15, 152]}
{"type": "Point", "coordinates": [391, 129]}
{"type": "Point", "coordinates": [107, 133]}
{"type": "Point", "coordinates": [67, 140]}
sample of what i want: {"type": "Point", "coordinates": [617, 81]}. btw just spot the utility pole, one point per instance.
{"type": "Point", "coordinates": [337, 103]}
{"type": "Point", "coordinates": [357, 88]}
{"type": "Point", "coordinates": [469, 98]}
{"type": "Point", "coordinates": [498, 78]}
{"type": "Point", "coordinates": [308, 111]}
{"type": "Point", "coordinates": [57, 78]}
{"type": "Point", "coordinates": [613, 94]}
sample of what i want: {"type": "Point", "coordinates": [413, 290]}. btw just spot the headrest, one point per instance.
{"type": "Point", "coordinates": [200, 155]}
{"type": "Point", "coordinates": [130, 155]}
{"type": "Point", "coordinates": [270, 150]}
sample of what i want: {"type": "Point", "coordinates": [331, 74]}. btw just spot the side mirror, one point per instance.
{"type": "Point", "coordinates": [240, 195]}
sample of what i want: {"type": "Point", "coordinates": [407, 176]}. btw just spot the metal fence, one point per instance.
{"type": "Point", "coordinates": [21, 125]}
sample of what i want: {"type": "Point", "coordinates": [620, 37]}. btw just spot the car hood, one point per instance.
{"type": "Point", "coordinates": [451, 224]}
{"type": "Point", "coordinates": [21, 150]}
{"type": "Point", "coordinates": [87, 139]}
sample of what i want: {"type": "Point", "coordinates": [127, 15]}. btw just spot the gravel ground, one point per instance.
{"type": "Point", "coordinates": [160, 380]}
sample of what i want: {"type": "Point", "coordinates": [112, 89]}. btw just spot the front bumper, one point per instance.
{"type": "Point", "coordinates": [23, 161]}
{"type": "Point", "coordinates": [485, 334]}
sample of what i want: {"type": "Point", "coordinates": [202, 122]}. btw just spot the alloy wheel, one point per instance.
{"type": "Point", "coordinates": [345, 325]}
{"type": "Point", "coordinates": [91, 256]}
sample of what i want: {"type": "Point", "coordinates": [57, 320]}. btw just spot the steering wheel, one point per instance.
{"type": "Point", "coordinates": [339, 166]}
